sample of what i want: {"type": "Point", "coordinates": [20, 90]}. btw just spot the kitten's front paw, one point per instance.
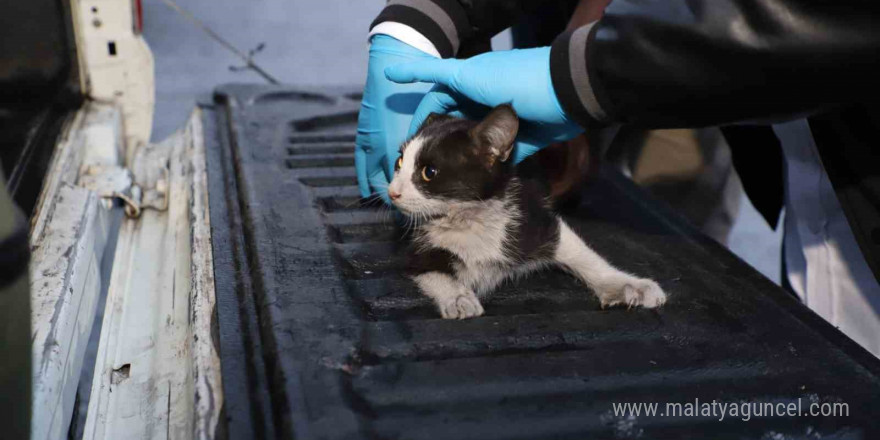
{"type": "Point", "coordinates": [461, 307]}
{"type": "Point", "coordinates": [637, 292]}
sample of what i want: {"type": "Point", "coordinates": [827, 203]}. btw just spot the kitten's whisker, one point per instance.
{"type": "Point", "coordinates": [384, 210]}
{"type": "Point", "coordinates": [407, 225]}
{"type": "Point", "coordinates": [369, 200]}
{"type": "Point", "coordinates": [412, 225]}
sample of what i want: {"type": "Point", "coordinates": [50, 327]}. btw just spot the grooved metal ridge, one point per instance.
{"type": "Point", "coordinates": [322, 337]}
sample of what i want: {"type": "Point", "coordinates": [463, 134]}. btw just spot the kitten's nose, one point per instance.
{"type": "Point", "coordinates": [393, 195]}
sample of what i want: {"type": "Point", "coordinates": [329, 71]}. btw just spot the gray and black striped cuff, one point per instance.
{"type": "Point", "coordinates": [444, 22]}
{"type": "Point", "coordinates": [571, 79]}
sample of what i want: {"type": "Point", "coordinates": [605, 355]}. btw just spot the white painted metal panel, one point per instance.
{"type": "Point", "coordinates": [70, 229]}
{"type": "Point", "coordinates": [157, 372]}
{"type": "Point", "coordinates": [115, 63]}
{"type": "Point", "coordinates": [65, 285]}
{"type": "Point", "coordinates": [206, 359]}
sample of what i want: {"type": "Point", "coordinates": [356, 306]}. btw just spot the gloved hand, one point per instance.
{"type": "Point", "coordinates": [518, 77]}
{"type": "Point", "coordinates": [385, 115]}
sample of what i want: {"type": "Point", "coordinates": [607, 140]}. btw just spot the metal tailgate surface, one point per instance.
{"type": "Point", "coordinates": [321, 337]}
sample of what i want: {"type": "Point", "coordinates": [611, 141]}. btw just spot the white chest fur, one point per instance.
{"type": "Point", "coordinates": [474, 232]}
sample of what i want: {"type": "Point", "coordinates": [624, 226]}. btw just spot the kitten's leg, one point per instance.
{"type": "Point", "coordinates": [483, 279]}
{"type": "Point", "coordinates": [611, 285]}
{"type": "Point", "coordinates": [454, 300]}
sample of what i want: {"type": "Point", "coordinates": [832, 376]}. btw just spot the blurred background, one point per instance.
{"type": "Point", "coordinates": [315, 43]}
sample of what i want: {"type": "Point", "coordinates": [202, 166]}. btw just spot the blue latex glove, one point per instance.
{"type": "Point", "coordinates": [385, 115]}
{"type": "Point", "coordinates": [518, 77]}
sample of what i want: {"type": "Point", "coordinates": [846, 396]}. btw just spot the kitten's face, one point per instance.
{"type": "Point", "coordinates": [453, 161]}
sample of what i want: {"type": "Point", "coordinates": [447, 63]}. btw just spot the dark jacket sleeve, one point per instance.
{"type": "Point", "coordinates": [452, 24]}
{"type": "Point", "coordinates": [686, 63]}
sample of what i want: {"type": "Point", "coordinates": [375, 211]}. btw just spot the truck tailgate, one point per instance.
{"type": "Point", "coordinates": [322, 337]}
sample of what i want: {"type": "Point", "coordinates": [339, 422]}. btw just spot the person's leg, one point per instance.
{"type": "Point", "coordinates": [691, 170]}
{"type": "Point", "coordinates": [720, 183]}
{"type": "Point", "coordinates": [783, 273]}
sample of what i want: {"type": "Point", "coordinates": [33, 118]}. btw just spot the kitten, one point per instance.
{"type": "Point", "coordinates": [481, 220]}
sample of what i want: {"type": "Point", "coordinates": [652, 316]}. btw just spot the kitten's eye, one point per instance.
{"type": "Point", "coordinates": [398, 164]}
{"type": "Point", "coordinates": [428, 173]}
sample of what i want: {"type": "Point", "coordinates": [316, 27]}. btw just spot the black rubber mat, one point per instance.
{"type": "Point", "coordinates": [321, 337]}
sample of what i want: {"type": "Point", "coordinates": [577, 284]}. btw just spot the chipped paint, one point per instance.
{"type": "Point", "coordinates": [68, 237]}
{"type": "Point", "coordinates": [65, 286]}
{"type": "Point", "coordinates": [157, 370]}
{"type": "Point", "coordinates": [206, 364]}
{"type": "Point", "coordinates": [159, 308]}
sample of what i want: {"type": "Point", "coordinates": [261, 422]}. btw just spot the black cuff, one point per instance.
{"type": "Point", "coordinates": [571, 79]}
{"type": "Point", "coordinates": [443, 22]}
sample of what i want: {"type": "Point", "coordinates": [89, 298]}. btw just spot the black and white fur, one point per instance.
{"type": "Point", "coordinates": [480, 220]}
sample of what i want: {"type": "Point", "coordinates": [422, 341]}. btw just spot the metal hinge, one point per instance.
{"type": "Point", "coordinates": [113, 182]}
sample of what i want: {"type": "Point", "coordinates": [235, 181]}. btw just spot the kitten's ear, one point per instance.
{"type": "Point", "coordinates": [495, 134]}
{"type": "Point", "coordinates": [433, 118]}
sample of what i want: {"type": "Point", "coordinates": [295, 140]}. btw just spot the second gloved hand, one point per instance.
{"type": "Point", "coordinates": [518, 77]}
{"type": "Point", "coordinates": [385, 115]}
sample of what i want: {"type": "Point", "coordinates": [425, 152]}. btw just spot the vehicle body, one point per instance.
{"type": "Point", "coordinates": [113, 220]}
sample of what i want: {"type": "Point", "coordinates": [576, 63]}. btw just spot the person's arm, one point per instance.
{"type": "Point", "coordinates": [408, 31]}
{"type": "Point", "coordinates": [678, 63]}
{"type": "Point", "coordinates": [451, 25]}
